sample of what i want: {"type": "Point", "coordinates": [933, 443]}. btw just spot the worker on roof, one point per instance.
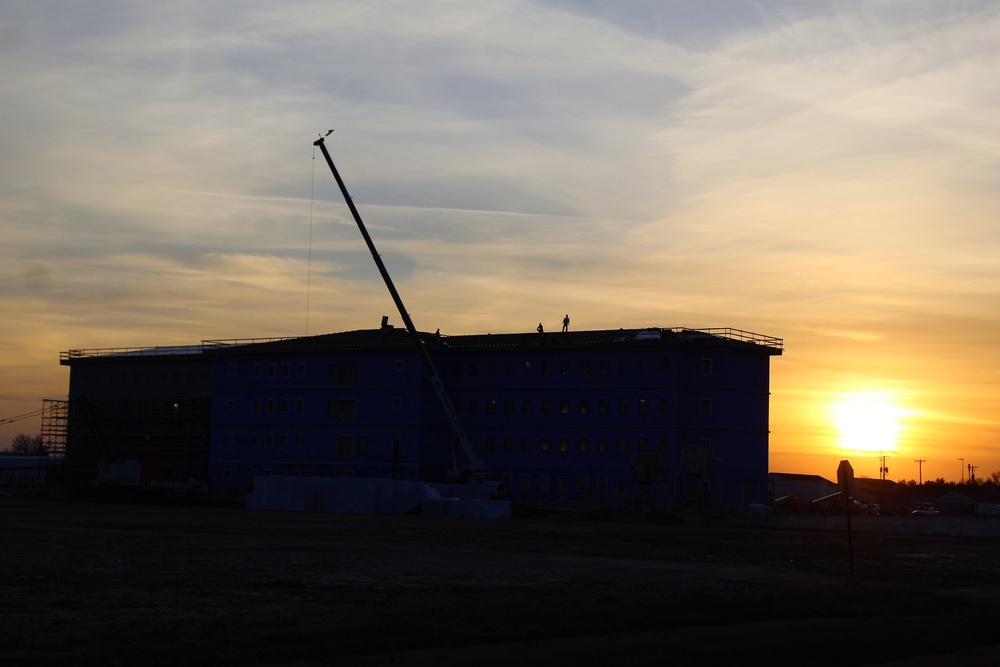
{"type": "Point", "coordinates": [566, 323]}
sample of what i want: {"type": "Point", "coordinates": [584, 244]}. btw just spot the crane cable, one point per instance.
{"type": "Point", "coordinates": [27, 415]}
{"type": "Point", "coordinates": [312, 197]}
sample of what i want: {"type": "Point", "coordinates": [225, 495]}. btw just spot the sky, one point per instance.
{"type": "Point", "coordinates": [822, 172]}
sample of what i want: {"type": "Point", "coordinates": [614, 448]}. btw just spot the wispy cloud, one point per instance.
{"type": "Point", "coordinates": [824, 173]}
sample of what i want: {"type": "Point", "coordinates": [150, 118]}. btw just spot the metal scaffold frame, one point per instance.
{"type": "Point", "coordinates": [55, 421]}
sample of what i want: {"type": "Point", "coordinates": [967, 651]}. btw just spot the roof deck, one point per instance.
{"type": "Point", "coordinates": [378, 338]}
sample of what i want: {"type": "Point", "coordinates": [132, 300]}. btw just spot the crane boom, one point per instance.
{"type": "Point", "coordinates": [473, 463]}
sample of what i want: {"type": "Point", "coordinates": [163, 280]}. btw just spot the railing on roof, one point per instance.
{"type": "Point", "coordinates": [740, 335]}
{"type": "Point", "coordinates": [163, 350]}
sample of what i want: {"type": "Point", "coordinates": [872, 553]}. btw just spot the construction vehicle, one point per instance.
{"type": "Point", "coordinates": [471, 470]}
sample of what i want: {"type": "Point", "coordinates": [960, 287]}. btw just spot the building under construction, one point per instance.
{"type": "Point", "coordinates": [658, 417]}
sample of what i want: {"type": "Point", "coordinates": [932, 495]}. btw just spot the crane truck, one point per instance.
{"type": "Point", "coordinates": [471, 470]}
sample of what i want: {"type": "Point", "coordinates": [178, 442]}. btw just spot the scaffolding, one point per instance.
{"type": "Point", "coordinates": [55, 420]}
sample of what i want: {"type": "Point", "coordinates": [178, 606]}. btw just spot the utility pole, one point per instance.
{"type": "Point", "coordinates": [921, 464]}
{"type": "Point", "coordinates": [884, 470]}
{"type": "Point", "coordinates": [972, 473]}
{"type": "Point", "coordinates": [962, 470]}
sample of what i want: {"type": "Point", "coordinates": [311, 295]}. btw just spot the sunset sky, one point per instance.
{"type": "Point", "coordinates": [823, 172]}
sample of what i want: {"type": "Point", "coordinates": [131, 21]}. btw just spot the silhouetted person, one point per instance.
{"type": "Point", "coordinates": [541, 329]}
{"type": "Point", "coordinates": [566, 323]}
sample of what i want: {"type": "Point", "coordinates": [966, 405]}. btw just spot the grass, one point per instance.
{"type": "Point", "coordinates": [839, 625]}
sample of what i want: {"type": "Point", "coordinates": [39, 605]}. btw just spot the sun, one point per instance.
{"type": "Point", "coordinates": [867, 422]}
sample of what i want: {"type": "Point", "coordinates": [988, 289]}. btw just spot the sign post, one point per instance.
{"type": "Point", "coordinates": [845, 479]}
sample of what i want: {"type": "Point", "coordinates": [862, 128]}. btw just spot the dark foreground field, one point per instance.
{"type": "Point", "coordinates": [87, 584]}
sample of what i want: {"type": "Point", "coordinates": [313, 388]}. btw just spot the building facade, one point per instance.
{"type": "Point", "coordinates": [653, 418]}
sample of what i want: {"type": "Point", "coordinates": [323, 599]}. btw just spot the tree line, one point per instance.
{"type": "Point", "coordinates": [23, 444]}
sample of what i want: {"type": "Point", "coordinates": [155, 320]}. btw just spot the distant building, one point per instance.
{"type": "Point", "coordinates": [809, 487]}
{"type": "Point", "coordinates": [653, 417]}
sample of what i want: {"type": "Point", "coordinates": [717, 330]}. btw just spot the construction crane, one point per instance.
{"type": "Point", "coordinates": [472, 470]}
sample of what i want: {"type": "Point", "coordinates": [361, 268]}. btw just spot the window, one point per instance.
{"type": "Point", "coordinates": [581, 484]}
{"type": "Point", "coordinates": [564, 407]}
{"type": "Point", "coordinates": [286, 370]}
{"type": "Point", "coordinates": [491, 369]}
{"type": "Point", "coordinates": [508, 444]}
{"type": "Point", "coordinates": [602, 484]}
{"type": "Point", "coordinates": [544, 445]}
{"type": "Point", "coordinates": [605, 367]}
{"type": "Point", "coordinates": [584, 406]}
{"type": "Point", "coordinates": [563, 445]}
{"type": "Point", "coordinates": [488, 444]}
{"type": "Point", "coordinates": [297, 441]}
{"type": "Point", "coordinates": [622, 485]}
{"type": "Point", "coordinates": [397, 365]}
{"type": "Point", "coordinates": [543, 483]}
{"type": "Point", "coordinates": [300, 370]}
{"type": "Point", "coordinates": [664, 366]}
{"type": "Point", "coordinates": [284, 405]}
{"type": "Point", "coordinates": [345, 446]}
{"type": "Point", "coordinates": [525, 482]}
{"type": "Point", "coordinates": [256, 370]}
{"type": "Point", "coordinates": [473, 406]}
{"type": "Point", "coordinates": [643, 366]}
{"type": "Point", "coordinates": [345, 374]}
{"type": "Point", "coordinates": [565, 368]}
{"type": "Point", "coordinates": [662, 446]}
{"type": "Point", "coordinates": [643, 445]}
{"type": "Point", "coordinates": [602, 445]}
{"type": "Point", "coordinates": [341, 410]}
{"type": "Point", "coordinates": [582, 445]}
{"type": "Point", "coordinates": [622, 446]}
{"type": "Point", "coordinates": [603, 406]}
{"type": "Point", "coordinates": [474, 370]}
{"type": "Point", "coordinates": [230, 404]}
{"type": "Point", "coordinates": [643, 406]}
{"type": "Point", "coordinates": [546, 368]}
{"type": "Point", "coordinates": [282, 440]}
{"type": "Point", "coordinates": [623, 366]}
{"type": "Point", "coordinates": [526, 406]}
{"type": "Point", "coordinates": [623, 406]}
{"type": "Point", "coordinates": [663, 406]}
{"type": "Point", "coordinates": [269, 440]}
{"type": "Point", "coordinates": [563, 484]}
{"type": "Point", "coordinates": [546, 406]}
{"type": "Point", "coordinates": [232, 369]}
{"type": "Point", "coordinates": [254, 441]}
{"type": "Point", "coordinates": [508, 407]}
{"type": "Point", "coordinates": [397, 402]}
{"type": "Point", "coordinates": [706, 406]}
{"type": "Point", "coordinates": [525, 444]}
{"type": "Point", "coordinates": [361, 447]}
{"type": "Point", "coordinates": [510, 369]}
{"type": "Point", "coordinates": [300, 405]}
{"type": "Point", "coordinates": [272, 370]}
{"type": "Point", "coordinates": [706, 366]}
{"type": "Point", "coordinates": [229, 438]}
{"type": "Point", "coordinates": [456, 370]}
{"type": "Point", "coordinates": [528, 369]}
{"type": "Point", "coordinates": [491, 407]}
{"type": "Point", "coordinates": [255, 406]}
{"type": "Point", "coordinates": [270, 405]}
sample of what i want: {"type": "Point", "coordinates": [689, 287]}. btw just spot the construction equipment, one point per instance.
{"type": "Point", "coordinates": [472, 470]}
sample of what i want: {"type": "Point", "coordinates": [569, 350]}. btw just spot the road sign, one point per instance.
{"type": "Point", "coordinates": [845, 477]}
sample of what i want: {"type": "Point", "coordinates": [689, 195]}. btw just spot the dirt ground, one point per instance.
{"type": "Point", "coordinates": [86, 584]}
